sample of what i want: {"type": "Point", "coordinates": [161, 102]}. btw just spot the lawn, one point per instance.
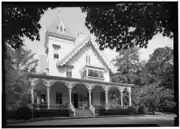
{"type": "Point", "coordinates": [147, 120]}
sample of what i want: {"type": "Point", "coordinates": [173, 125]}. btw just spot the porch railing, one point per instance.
{"type": "Point", "coordinates": [72, 109]}
{"type": "Point", "coordinates": [81, 104]}
{"type": "Point", "coordinates": [92, 109]}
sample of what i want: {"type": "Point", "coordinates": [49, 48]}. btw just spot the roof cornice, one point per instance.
{"type": "Point", "coordinates": [61, 36]}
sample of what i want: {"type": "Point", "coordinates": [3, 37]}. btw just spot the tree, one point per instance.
{"type": "Point", "coordinates": [154, 97]}
{"type": "Point", "coordinates": [128, 24]}
{"type": "Point", "coordinates": [161, 67]}
{"type": "Point", "coordinates": [22, 19]}
{"type": "Point", "coordinates": [18, 65]}
{"type": "Point", "coordinates": [128, 64]}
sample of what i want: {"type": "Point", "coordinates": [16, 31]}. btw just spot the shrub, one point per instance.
{"type": "Point", "coordinates": [23, 113]}
{"type": "Point", "coordinates": [51, 112]}
{"type": "Point", "coordinates": [10, 114]}
{"type": "Point", "coordinates": [131, 110]}
{"type": "Point", "coordinates": [116, 111]}
{"type": "Point", "coordinates": [142, 109]}
{"type": "Point", "coordinates": [99, 109]}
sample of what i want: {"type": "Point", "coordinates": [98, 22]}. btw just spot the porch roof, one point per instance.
{"type": "Point", "coordinates": [78, 80]}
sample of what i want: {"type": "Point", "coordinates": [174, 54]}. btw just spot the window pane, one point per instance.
{"type": "Point", "coordinates": [84, 74]}
{"type": "Point", "coordinates": [90, 72]}
{"type": "Point", "coordinates": [56, 56]}
{"type": "Point", "coordinates": [101, 74]}
{"type": "Point", "coordinates": [69, 72]}
{"type": "Point", "coordinates": [95, 73]}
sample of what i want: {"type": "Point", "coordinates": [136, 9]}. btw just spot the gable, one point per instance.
{"type": "Point", "coordinates": [80, 58]}
{"type": "Point", "coordinates": [79, 48]}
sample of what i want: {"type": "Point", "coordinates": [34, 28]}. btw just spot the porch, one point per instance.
{"type": "Point", "coordinates": [53, 92]}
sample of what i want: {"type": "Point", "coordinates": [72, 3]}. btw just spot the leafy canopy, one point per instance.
{"type": "Point", "coordinates": [128, 24]}
{"type": "Point", "coordinates": [19, 63]}
{"type": "Point", "coordinates": [128, 65]}
{"type": "Point", "coordinates": [22, 19]}
{"type": "Point", "coordinates": [161, 66]}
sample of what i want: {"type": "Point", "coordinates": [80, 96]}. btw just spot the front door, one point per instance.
{"type": "Point", "coordinates": [75, 100]}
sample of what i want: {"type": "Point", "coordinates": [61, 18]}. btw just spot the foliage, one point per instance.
{"type": "Point", "coordinates": [153, 97]}
{"type": "Point", "coordinates": [154, 79]}
{"type": "Point", "coordinates": [128, 24]}
{"type": "Point", "coordinates": [24, 113]}
{"type": "Point", "coordinates": [51, 112]}
{"type": "Point", "coordinates": [128, 64]}
{"type": "Point", "coordinates": [161, 67]}
{"type": "Point", "coordinates": [22, 19]}
{"type": "Point", "coordinates": [142, 109]}
{"type": "Point", "coordinates": [117, 111]}
{"type": "Point", "coordinates": [19, 63]}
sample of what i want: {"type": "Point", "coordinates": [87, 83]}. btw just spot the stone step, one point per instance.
{"type": "Point", "coordinates": [83, 112]}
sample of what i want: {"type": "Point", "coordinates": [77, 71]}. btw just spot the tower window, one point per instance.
{"type": "Point", "coordinates": [69, 72]}
{"type": "Point", "coordinates": [56, 56]}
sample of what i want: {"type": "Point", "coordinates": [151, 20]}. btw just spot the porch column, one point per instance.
{"type": "Point", "coordinates": [48, 84]}
{"type": "Point", "coordinates": [121, 91]}
{"type": "Point", "coordinates": [89, 89]}
{"type": "Point", "coordinates": [32, 95]}
{"type": "Point", "coordinates": [38, 101]}
{"type": "Point", "coordinates": [70, 102]}
{"type": "Point", "coordinates": [32, 82]}
{"type": "Point", "coordinates": [106, 95]}
{"type": "Point", "coordinates": [48, 96]}
{"type": "Point", "coordinates": [129, 92]}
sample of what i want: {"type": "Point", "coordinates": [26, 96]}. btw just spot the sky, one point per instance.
{"type": "Point", "coordinates": [74, 20]}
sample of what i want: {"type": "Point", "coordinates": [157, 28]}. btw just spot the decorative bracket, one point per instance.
{"type": "Point", "coordinates": [48, 83]}
{"type": "Point", "coordinates": [129, 89]}
{"type": "Point", "coordinates": [121, 89]}
{"type": "Point", "coordinates": [33, 81]}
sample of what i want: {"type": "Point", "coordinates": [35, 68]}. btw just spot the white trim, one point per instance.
{"type": "Point", "coordinates": [59, 40]}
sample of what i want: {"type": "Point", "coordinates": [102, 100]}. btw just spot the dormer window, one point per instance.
{"type": "Point", "coordinates": [61, 28]}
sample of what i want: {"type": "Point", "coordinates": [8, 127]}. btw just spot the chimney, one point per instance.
{"type": "Point", "coordinates": [80, 37]}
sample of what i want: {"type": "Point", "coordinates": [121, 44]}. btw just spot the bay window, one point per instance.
{"type": "Point", "coordinates": [92, 73]}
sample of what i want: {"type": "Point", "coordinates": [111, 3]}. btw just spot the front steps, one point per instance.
{"type": "Point", "coordinates": [83, 113]}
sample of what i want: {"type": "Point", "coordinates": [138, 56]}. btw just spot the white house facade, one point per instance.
{"type": "Point", "coordinates": [78, 74]}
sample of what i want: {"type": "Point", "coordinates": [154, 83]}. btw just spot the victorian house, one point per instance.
{"type": "Point", "coordinates": [78, 74]}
